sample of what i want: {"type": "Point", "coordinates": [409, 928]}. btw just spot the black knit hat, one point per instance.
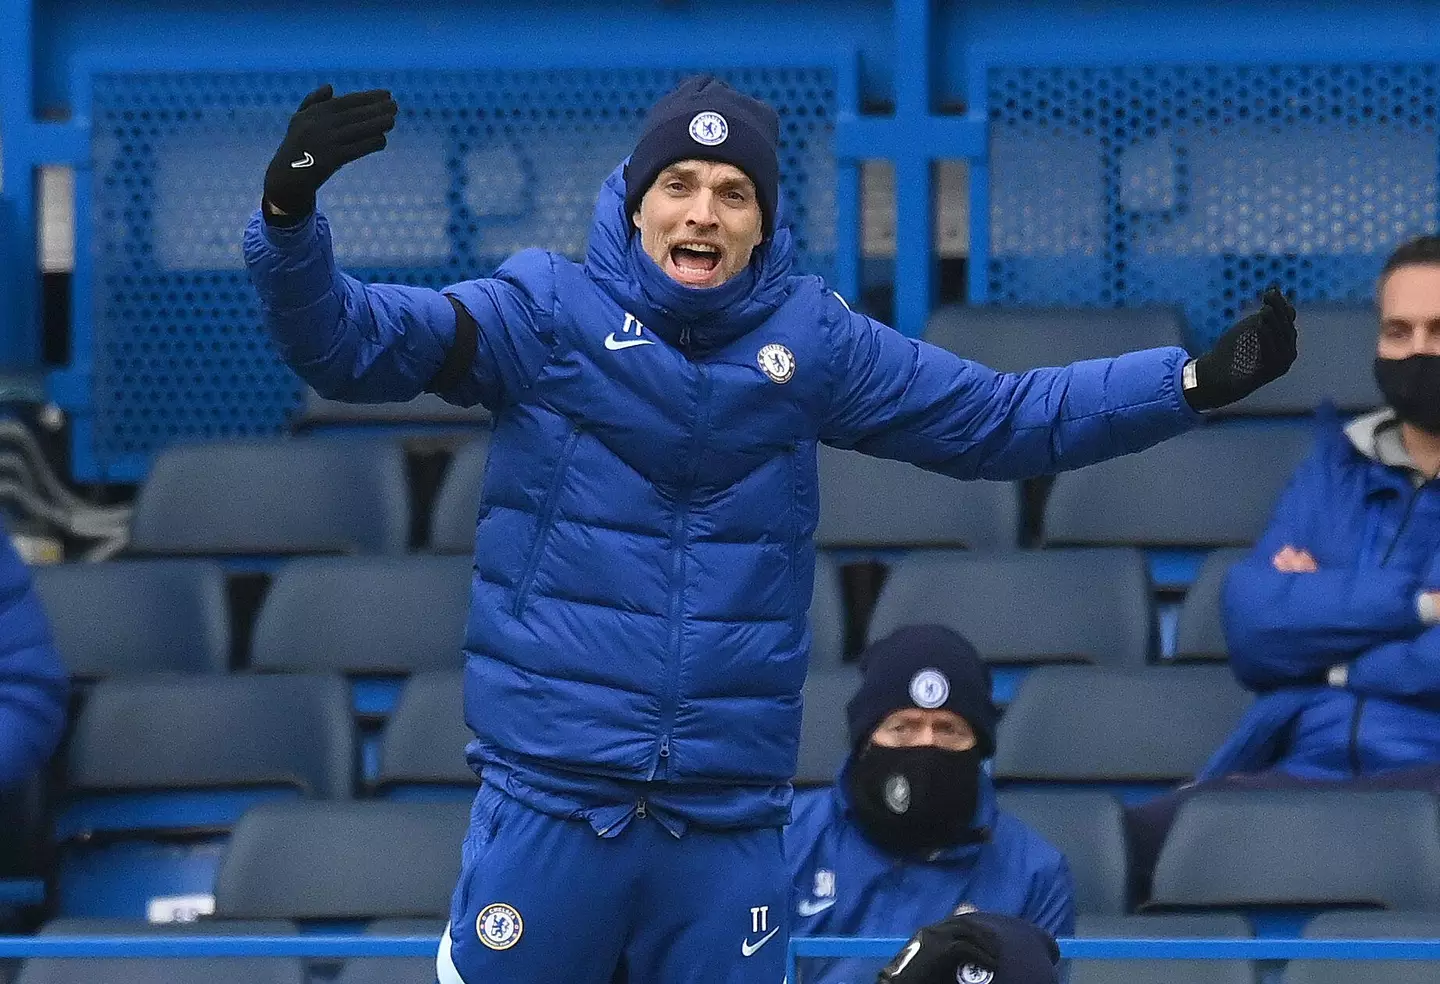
{"type": "Point", "coordinates": [704, 119]}
{"type": "Point", "coordinates": [926, 666]}
{"type": "Point", "coordinates": [1028, 954]}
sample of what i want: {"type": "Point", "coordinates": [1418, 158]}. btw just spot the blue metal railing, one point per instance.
{"type": "Point", "coordinates": [332, 947]}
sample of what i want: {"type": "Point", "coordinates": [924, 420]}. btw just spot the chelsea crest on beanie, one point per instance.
{"type": "Point", "coordinates": [704, 119]}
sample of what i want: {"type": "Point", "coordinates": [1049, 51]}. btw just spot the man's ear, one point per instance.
{"type": "Point", "coordinates": [635, 218]}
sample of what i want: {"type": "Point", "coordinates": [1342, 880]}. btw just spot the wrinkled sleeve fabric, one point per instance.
{"type": "Point", "coordinates": [897, 397]}
{"type": "Point", "coordinates": [1290, 628]}
{"type": "Point", "coordinates": [381, 343]}
{"type": "Point", "coordinates": [34, 688]}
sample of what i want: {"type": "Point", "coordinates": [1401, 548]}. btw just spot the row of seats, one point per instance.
{"type": "Point", "coordinates": [1215, 486]}
{"type": "Point", "coordinates": [395, 615]}
{"type": "Point", "coordinates": [421, 970]}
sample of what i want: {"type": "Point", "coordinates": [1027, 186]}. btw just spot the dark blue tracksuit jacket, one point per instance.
{"type": "Point", "coordinates": [33, 685]}
{"type": "Point", "coordinates": [644, 556]}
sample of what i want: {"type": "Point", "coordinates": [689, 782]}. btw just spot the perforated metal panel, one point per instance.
{"type": "Point", "coordinates": [1199, 185]}
{"type": "Point", "coordinates": [481, 164]}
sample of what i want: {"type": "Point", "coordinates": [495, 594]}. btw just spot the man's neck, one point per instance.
{"type": "Point", "coordinates": [1424, 447]}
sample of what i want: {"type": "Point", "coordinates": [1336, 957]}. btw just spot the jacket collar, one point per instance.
{"type": "Point", "coordinates": [696, 320]}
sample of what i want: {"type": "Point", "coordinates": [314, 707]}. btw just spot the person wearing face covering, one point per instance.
{"type": "Point", "coordinates": [1333, 619]}
{"type": "Point", "coordinates": [910, 831]}
{"type": "Point", "coordinates": [638, 636]}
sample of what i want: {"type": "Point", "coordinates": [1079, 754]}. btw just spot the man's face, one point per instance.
{"type": "Point", "coordinates": [913, 727]}
{"type": "Point", "coordinates": [1410, 312]}
{"type": "Point", "coordinates": [699, 222]}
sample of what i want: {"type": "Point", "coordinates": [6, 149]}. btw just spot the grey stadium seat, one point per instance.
{"type": "Point", "coordinates": [395, 970]}
{"type": "Point", "coordinates": [274, 497]}
{"type": "Point", "coordinates": [457, 504]}
{"type": "Point", "coordinates": [1051, 606]}
{"type": "Point", "coordinates": [1215, 486]}
{"type": "Point", "coordinates": [426, 409]}
{"type": "Point", "coordinates": [1089, 829]}
{"type": "Point", "coordinates": [316, 861]}
{"type": "Point", "coordinates": [824, 732]}
{"type": "Point", "coordinates": [1187, 926]}
{"type": "Point", "coordinates": [1337, 347]}
{"type": "Point", "coordinates": [214, 732]}
{"type": "Point", "coordinates": [1201, 633]}
{"type": "Point", "coordinates": [1368, 926]}
{"type": "Point", "coordinates": [1015, 339]}
{"type": "Point", "coordinates": [827, 616]}
{"type": "Point", "coordinates": [425, 739]}
{"type": "Point", "coordinates": [364, 615]}
{"type": "Point", "coordinates": [164, 970]}
{"type": "Point", "coordinates": [138, 616]}
{"type": "Point", "coordinates": [1301, 848]}
{"type": "Point", "coordinates": [876, 502]}
{"type": "Point", "coordinates": [1078, 724]}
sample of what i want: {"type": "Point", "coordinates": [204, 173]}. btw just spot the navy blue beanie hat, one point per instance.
{"type": "Point", "coordinates": [704, 119]}
{"type": "Point", "coordinates": [927, 666]}
{"type": "Point", "coordinates": [1028, 954]}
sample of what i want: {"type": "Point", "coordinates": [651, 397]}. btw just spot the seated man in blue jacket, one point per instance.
{"type": "Point", "coordinates": [910, 831]}
{"type": "Point", "coordinates": [1334, 618]}
{"type": "Point", "coordinates": [637, 637]}
{"type": "Point", "coordinates": [33, 684]}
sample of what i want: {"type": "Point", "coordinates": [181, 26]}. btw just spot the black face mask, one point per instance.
{"type": "Point", "coordinates": [1412, 387]}
{"type": "Point", "coordinates": [915, 800]}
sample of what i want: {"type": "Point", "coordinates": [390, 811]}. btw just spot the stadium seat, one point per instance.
{"type": "Point", "coordinates": [827, 616]}
{"type": "Point", "coordinates": [247, 498]}
{"type": "Point", "coordinates": [457, 506]}
{"type": "Point", "coordinates": [395, 970]}
{"type": "Point", "coordinates": [1054, 606]}
{"type": "Point", "coordinates": [427, 412]}
{"type": "Point", "coordinates": [1062, 725]}
{"type": "Point", "coordinates": [140, 616]}
{"type": "Point", "coordinates": [1333, 365]}
{"type": "Point", "coordinates": [1187, 926]}
{"type": "Point", "coordinates": [1089, 829]}
{"type": "Point", "coordinates": [877, 503]}
{"type": "Point", "coordinates": [1233, 850]}
{"type": "Point", "coordinates": [164, 970]}
{"type": "Point", "coordinates": [1016, 339]}
{"type": "Point", "coordinates": [423, 754]}
{"type": "Point", "coordinates": [342, 861]}
{"type": "Point", "coordinates": [1368, 926]}
{"type": "Point", "coordinates": [824, 731]}
{"type": "Point", "coordinates": [1215, 486]}
{"type": "Point", "coordinates": [160, 769]}
{"type": "Point", "coordinates": [1200, 634]}
{"type": "Point", "coordinates": [364, 615]}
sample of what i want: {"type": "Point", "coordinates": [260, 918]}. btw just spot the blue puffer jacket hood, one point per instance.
{"type": "Point", "coordinates": [715, 316]}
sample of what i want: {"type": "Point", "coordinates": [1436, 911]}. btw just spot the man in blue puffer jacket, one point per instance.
{"type": "Point", "coordinates": [1334, 618]}
{"type": "Point", "coordinates": [33, 684]}
{"type": "Point", "coordinates": [643, 559]}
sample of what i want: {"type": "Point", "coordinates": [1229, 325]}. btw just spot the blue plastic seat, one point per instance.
{"type": "Point", "coordinates": [1184, 926]}
{"type": "Point", "coordinates": [364, 615]}
{"type": "Point", "coordinates": [423, 751]}
{"type": "Point", "coordinates": [1368, 926]}
{"type": "Point", "coordinates": [266, 498]}
{"type": "Point", "coordinates": [868, 502]}
{"type": "Point", "coordinates": [1200, 633]}
{"type": "Point", "coordinates": [321, 862]}
{"type": "Point", "coordinates": [1065, 726]}
{"type": "Point", "coordinates": [1215, 486]}
{"type": "Point", "coordinates": [161, 768]}
{"type": "Point", "coordinates": [1089, 829]}
{"type": "Point", "coordinates": [1030, 608]}
{"type": "Point", "coordinates": [140, 616]}
{"type": "Point", "coordinates": [395, 970]}
{"type": "Point", "coordinates": [457, 505]}
{"type": "Point", "coordinates": [824, 730]}
{"type": "Point", "coordinates": [1301, 849]}
{"type": "Point", "coordinates": [1016, 339]}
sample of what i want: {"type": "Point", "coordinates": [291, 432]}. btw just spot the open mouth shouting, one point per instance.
{"type": "Point", "coordinates": [695, 263]}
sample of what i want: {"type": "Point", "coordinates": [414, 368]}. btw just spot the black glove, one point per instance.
{"type": "Point", "coordinates": [325, 134]}
{"type": "Point", "coordinates": [937, 953]}
{"type": "Point", "coordinates": [1256, 350]}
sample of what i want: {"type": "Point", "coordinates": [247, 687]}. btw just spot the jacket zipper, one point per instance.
{"type": "Point", "coordinates": [547, 515]}
{"type": "Point", "coordinates": [661, 767]}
